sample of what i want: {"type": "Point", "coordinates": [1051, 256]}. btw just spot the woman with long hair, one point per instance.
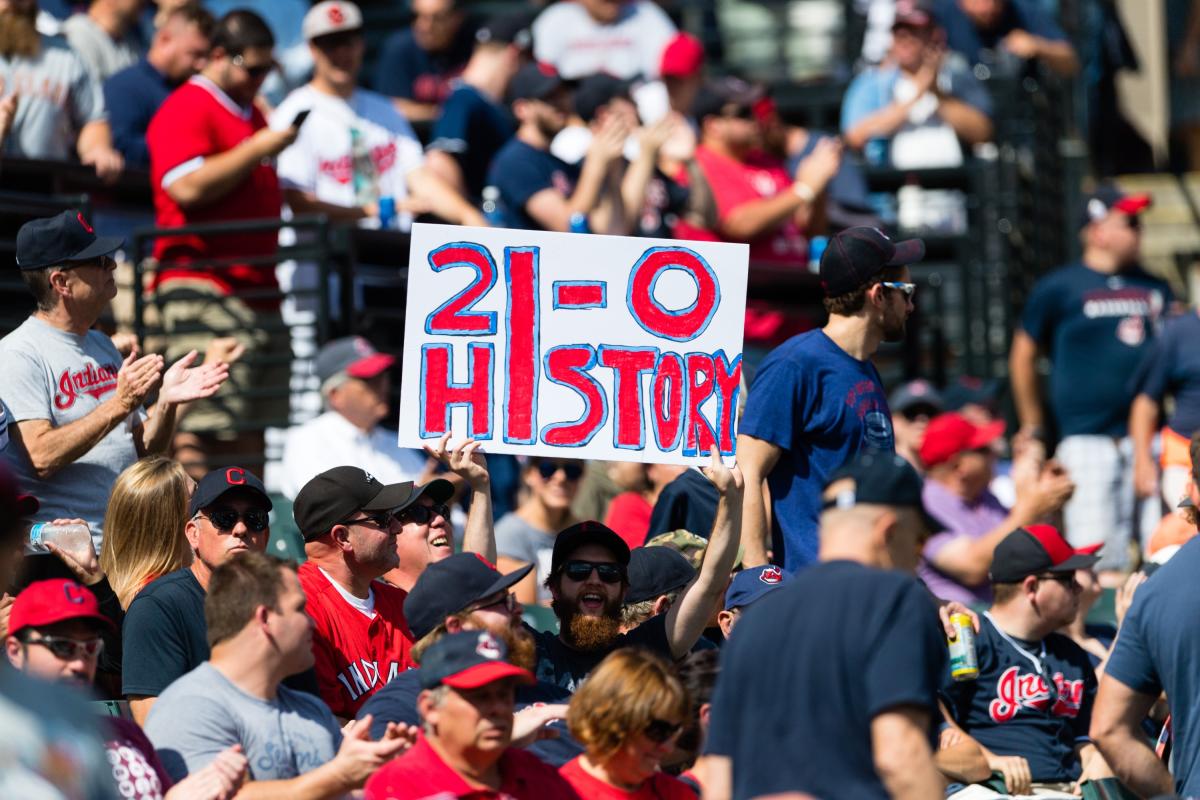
{"type": "Point", "coordinates": [143, 527]}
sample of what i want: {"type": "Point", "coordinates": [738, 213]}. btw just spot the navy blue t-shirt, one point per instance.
{"type": "Point", "coordinates": [566, 667]}
{"type": "Point", "coordinates": [1157, 650]}
{"type": "Point", "coordinates": [397, 702]}
{"type": "Point", "coordinates": [1086, 320]}
{"type": "Point", "coordinates": [821, 406]}
{"type": "Point", "coordinates": [688, 502]}
{"type": "Point", "coordinates": [1174, 368]}
{"type": "Point", "coordinates": [1032, 699]}
{"type": "Point", "coordinates": [472, 128]}
{"type": "Point", "coordinates": [132, 97]}
{"type": "Point", "coordinates": [807, 670]}
{"type": "Point", "coordinates": [164, 636]}
{"type": "Point", "coordinates": [407, 70]}
{"type": "Point", "coordinates": [964, 37]}
{"type": "Point", "coordinates": [520, 171]}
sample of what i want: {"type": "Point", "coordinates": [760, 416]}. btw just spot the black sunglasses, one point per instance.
{"type": "Point", "coordinates": [659, 730]}
{"type": "Point", "coordinates": [255, 71]}
{"type": "Point", "coordinates": [65, 649]}
{"type": "Point", "coordinates": [225, 518]}
{"type": "Point", "coordinates": [1067, 579]}
{"type": "Point", "coordinates": [422, 514]}
{"type": "Point", "coordinates": [383, 519]}
{"type": "Point", "coordinates": [580, 571]}
{"type": "Point", "coordinates": [548, 469]}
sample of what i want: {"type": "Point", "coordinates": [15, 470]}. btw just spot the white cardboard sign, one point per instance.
{"type": "Point", "coordinates": [573, 345]}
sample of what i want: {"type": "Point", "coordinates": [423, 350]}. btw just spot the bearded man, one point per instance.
{"type": "Point", "coordinates": [52, 106]}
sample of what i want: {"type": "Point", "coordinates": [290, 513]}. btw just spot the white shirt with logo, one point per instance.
{"type": "Point", "coordinates": [59, 376]}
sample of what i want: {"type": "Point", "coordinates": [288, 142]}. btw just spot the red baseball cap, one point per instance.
{"type": "Point", "coordinates": [1034, 549]}
{"type": "Point", "coordinates": [950, 434]}
{"type": "Point", "coordinates": [47, 602]}
{"type": "Point", "coordinates": [683, 57]}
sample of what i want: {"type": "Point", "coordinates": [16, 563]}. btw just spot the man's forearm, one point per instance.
{"type": "Point", "coordinates": [319, 784]}
{"type": "Point", "coordinates": [55, 448]}
{"type": "Point", "coordinates": [1143, 418]}
{"type": "Point", "coordinates": [1059, 57]}
{"type": "Point", "coordinates": [757, 217]}
{"type": "Point", "coordinates": [591, 183]}
{"type": "Point", "coordinates": [1022, 367]}
{"type": "Point", "coordinates": [443, 200]}
{"type": "Point", "coordinates": [879, 125]}
{"type": "Point", "coordinates": [479, 534]}
{"type": "Point", "coordinates": [968, 122]}
{"type": "Point", "coordinates": [1133, 762]}
{"type": "Point", "coordinates": [304, 203]}
{"type": "Point", "coordinates": [158, 429]}
{"type": "Point", "coordinates": [95, 134]}
{"type": "Point", "coordinates": [219, 175]}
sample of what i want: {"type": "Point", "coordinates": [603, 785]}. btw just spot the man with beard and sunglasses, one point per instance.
{"type": "Point", "coordinates": [589, 580]}
{"type": "Point", "coordinates": [59, 104]}
{"type": "Point", "coordinates": [466, 593]}
{"type": "Point", "coordinates": [164, 635]}
{"type": "Point", "coordinates": [817, 400]}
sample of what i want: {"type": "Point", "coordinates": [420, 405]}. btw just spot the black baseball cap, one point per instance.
{"type": "Point", "coordinates": [655, 571]}
{"type": "Point", "coordinates": [1036, 549]}
{"type": "Point", "coordinates": [336, 494]}
{"type": "Point", "coordinates": [448, 586]}
{"type": "Point", "coordinates": [881, 478]}
{"type": "Point", "coordinates": [1108, 198]}
{"type": "Point", "coordinates": [587, 532]}
{"type": "Point", "coordinates": [918, 393]}
{"type": "Point", "coordinates": [596, 91]}
{"type": "Point", "coordinates": [67, 238]}
{"type": "Point", "coordinates": [718, 96]}
{"type": "Point", "coordinates": [856, 255]}
{"type": "Point", "coordinates": [535, 81]}
{"type": "Point", "coordinates": [227, 479]}
{"type": "Point", "coordinates": [468, 660]}
{"type": "Point", "coordinates": [511, 28]}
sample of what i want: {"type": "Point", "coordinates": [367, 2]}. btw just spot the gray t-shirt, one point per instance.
{"type": "Point", "coordinates": [59, 376]}
{"type": "Point", "coordinates": [202, 713]}
{"type": "Point", "coordinates": [58, 97]}
{"type": "Point", "coordinates": [517, 539]}
{"type": "Point", "coordinates": [102, 54]}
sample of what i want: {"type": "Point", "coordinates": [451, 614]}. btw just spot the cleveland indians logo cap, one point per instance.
{"type": "Point", "coordinates": [752, 584]}
{"type": "Point", "coordinates": [67, 238]}
{"type": "Point", "coordinates": [468, 660]}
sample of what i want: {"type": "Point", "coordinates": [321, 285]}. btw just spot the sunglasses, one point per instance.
{"type": "Point", "coordinates": [66, 649]}
{"type": "Point", "coordinates": [659, 730]}
{"type": "Point", "coordinates": [381, 520]}
{"type": "Point", "coordinates": [1067, 579]}
{"type": "Point", "coordinates": [255, 71]}
{"type": "Point", "coordinates": [580, 571]}
{"type": "Point", "coordinates": [907, 288]}
{"type": "Point", "coordinates": [224, 519]}
{"type": "Point", "coordinates": [509, 601]}
{"type": "Point", "coordinates": [548, 469]}
{"type": "Point", "coordinates": [423, 514]}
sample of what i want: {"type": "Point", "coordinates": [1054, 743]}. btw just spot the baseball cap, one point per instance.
{"type": "Point", "coordinates": [227, 479]}
{"type": "Point", "coordinates": [880, 478]}
{"type": "Point", "coordinates": [534, 81]}
{"type": "Point", "coordinates": [336, 494]}
{"type": "Point", "coordinates": [353, 355]}
{"type": "Point", "coordinates": [330, 16]}
{"type": "Point", "coordinates": [448, 586]}
{"type": "Point", "coordinates": [683, 57]}
{"type": "Point", "coordinates": [47, 602]}
{"type": "Point", "coordinates": [716, 97]}
{"type": "Point", "coordinates": [587, 532]}
{"type": "Point", "coordinates": [596, 91]}
{"type": "Point", "coordinates": [910, 14]}
{"type": "Point", "coordinates": [916, 394]}
{"type": "Point", "coordinates": [468, 660]}
{"type": "Point", "coordinates": [1108, 198]}
{"type": "Point", "coordinates": [691, 546]}
{"type": "Point", "coordinates": [655, 571]}
{"type": "Point", "coordinates": [751, 584]}
{"type": "Point", "coordinates": [951, 433]}
{"type": "Point", "coordinates": [1033, 549]}
{"type": "Point", "coordinates": [969, 390]}
{"type": "Point", "coordinates": [856, 255]}
{"type": "Point", "coordinates": [65, 238]}
{"type": "Point", "coordinates": [514, 29]}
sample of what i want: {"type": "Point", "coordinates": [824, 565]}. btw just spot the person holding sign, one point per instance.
{"type": "Point", "coordinates": [817, 400]}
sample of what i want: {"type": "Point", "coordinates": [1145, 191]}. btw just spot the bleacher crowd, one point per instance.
{"type": "Point", "coordinates": [359, 619]}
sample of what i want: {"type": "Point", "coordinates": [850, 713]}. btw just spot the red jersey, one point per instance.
{"type": "Point", "coordinates": [197, 121]}
{"type": "Point", "coordinates": [734, 183]}
{"type": "Point", "coordinates": [355, 655]}
{"type": "Point", "coordinates": [629, 515]}
{"type": "Point", "coordinates": [421, 773]}
{"type": "Point", "coordinates": [661, 787]}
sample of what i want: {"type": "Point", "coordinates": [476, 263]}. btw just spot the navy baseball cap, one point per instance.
{"type": "Point", "coordinates": [588, 532]}
{"type": "Point", "coordinates": [969, 390]}
{"type": "Point", "coordinates": [336, 494]}
{"type": "Point", "coordinates": [535, 81]}
{"type": "Point", "coordinates": [655, 571]}
{"type": "Point", "coordinates": [448, 586]}
{"type": "Point", "coordinates": [352, 355]}
{"type": "Point", "coordinates": [916, 394]}
{"type": "Point", "coordinates": [856, 255]}
{"type": "Point", "coordinates": [881, 478]}
{"type": "Point", "coordinates": [1108, 198]}
{"type": "Point", "coordinates": [67, 238]}
{"type": "Point", "coordinates": [468, 660]}
{"type": "Point", "coordinates": [1035, 549]}
{"type": "Point", "coordinates": [596, 91]}
{"type": "Point", "coordinates": [751, 584]}
{"type": "Point", "coordinates": [227, 479]}
{"type": "Point", "coordinates": [510, 28]}
{"type": "Point", "coordinates": [726, 95]}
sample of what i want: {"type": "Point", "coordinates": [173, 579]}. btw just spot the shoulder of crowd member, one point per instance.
{"type": "Point", "coordinates": [396, 701]}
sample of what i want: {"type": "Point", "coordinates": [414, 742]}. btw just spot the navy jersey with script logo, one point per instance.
{"type": "Point", "coordinates": [1032, 699]}
{"type": "Point", "coordinates": [821, 406]}
{"type": "Point", "coordinates": [1083, 318]}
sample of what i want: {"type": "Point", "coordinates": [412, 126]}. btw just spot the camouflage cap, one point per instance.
{"type": "Point", "coordinates": [682, 541]}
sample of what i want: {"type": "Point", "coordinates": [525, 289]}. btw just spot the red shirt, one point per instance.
{"type": "Point", "coordinates": [196, 121]}
{"type": "Point", "coordinates": [355, 656]}
{"type": "Point", "coordinates": [421, 773]}
{"type": "Point", "coordinates": [629, 516]}
{"type": "Point", "coordinates": [661, 787]}
{"type": "Point", "coordinates": [735, 183]}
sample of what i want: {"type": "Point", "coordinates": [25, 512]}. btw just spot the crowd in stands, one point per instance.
{"type": "Point", "coordinates": [463, 624]}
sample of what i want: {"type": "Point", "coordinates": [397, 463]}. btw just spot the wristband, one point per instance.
{"type": "Point", "coordinates": [804, 192]}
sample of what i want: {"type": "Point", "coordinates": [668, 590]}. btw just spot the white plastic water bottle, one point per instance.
{"type": "Point", "coordinates": [74, 538]}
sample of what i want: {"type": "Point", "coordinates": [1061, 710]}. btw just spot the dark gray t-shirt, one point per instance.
{"type": "Point", "coordinates": [203, 713]}
{"type": "Point", "coordinates": [517, 539]}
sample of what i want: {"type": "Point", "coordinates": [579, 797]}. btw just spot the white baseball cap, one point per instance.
{"type": "Point", "coordinates": [331, 16]}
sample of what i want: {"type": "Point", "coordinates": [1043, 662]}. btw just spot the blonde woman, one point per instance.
{"type": "Point", "coordinates": [143, 527]}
